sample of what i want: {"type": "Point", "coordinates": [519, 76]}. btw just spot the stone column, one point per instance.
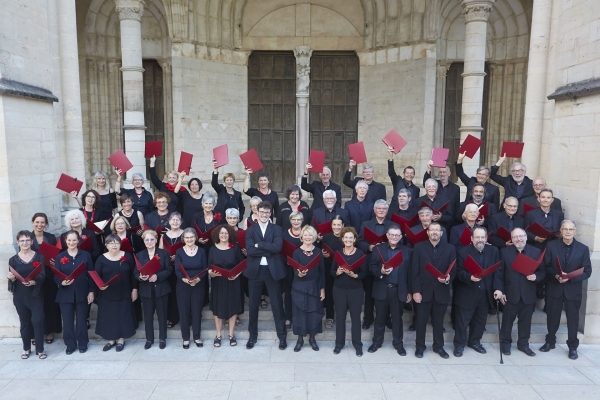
{"type": "Point", "coordinates": [476, 13]}
{"type": "Point", "coordinates": [130, 16]}
{"type": "Point", "coordinates": [536, 85]}
{"type": "Point", "coordinates": [440, 103]}
{"type": "Point", "coordinates": [302, 54]}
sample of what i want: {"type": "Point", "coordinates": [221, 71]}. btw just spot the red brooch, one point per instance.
{"type": "Point", "coordinates": [155, 256]}
{"type": "Point", "coordinates": [64, 260]}
{"type": "Point", "coordinates": [299, 208]}
{"type": "Point", "coordinates": [36, 264]}
{"type": "Point", "coordinates": [123, 258]}
{"type": "Point", "coordinates": [217, 216]}
{"type": "Point", "coordinates": [231, 245]}
{"type": "Point", "coordinates": [83, 237]}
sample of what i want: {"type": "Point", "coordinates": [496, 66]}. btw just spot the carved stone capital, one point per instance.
{"type": "Point", "coordinates": [302, 54]}
{"type": "Point", "coordinates": [442, 70]}
{"type": "Point", "coordinates": [130, 9]}
{"type": "Point", "coordinates": [477, 10]}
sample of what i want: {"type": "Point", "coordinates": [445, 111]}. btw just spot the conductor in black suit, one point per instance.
{"type": "Point", "coordinates": [432, 295]}
{"type": "Point", "coordinates": [391, 288]}
{"type": "Point", "coordinates": [572, 255]}
{"type": "Point", "coordinates": [517, 292]}
{"type": "Point", "coordinates": [265, 268]}
{"type": "Point", "coordinates": [473, 296]}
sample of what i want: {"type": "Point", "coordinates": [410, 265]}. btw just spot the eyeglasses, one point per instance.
{"type": "Point", "coordinates": [24, 240]}
{"type": "Point", "coordinates": [394, 234]}
{"type": "Point", "coordinates": [264, 212]}
{"type": "Point", "coordinates": [518, 170]}
{"type": "Point", "coordinates": [90, 197]}
{"type": "Point", "coordinates": [150, 240]}
{"type": "Point", "coordinates": [519, 236]}
{"type": "Point", "coordinates": [511, 205]}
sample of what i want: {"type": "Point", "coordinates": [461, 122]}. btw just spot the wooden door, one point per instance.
{"type": "Point", "coordinates": [154, 111]}
{"type": "Point", "coordinates": [334, 109]}
{"type": "Point", "coordinates": [272, 115]}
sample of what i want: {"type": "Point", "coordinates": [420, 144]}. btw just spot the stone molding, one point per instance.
{"type": "Point", "coordinates": [576, 89]}
{"type": "Point", "coordinates": [477, 11]}
{"type": "Point", "coordinates": [134, 69]}
{"type": "Point", "coordinates": [14, 88]}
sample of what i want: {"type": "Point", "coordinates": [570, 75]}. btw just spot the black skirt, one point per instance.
{"type": "Point", "coordinates": [307, 309]}
{"type": "Point", "coordinates": [226, 297]}
{"type": "Point", "coordinates": [116, 319]}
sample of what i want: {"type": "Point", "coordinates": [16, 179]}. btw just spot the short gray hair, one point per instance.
{"type": "Point", "coordinates": [431, 181]}
{"type": "Point", "coordinates": [567, 221]}
{"type": "Point", "coordinates": [255, 199]}
{"type": "Point", "coordinates": [362, 182]}
{"type": "Point", "coordinates": [209, 196]}
{"type": "Point", "coordinates": [381, 202]}
{"type": "Point", "coordinates": [232, 211]}
{"type": "Point", "coordinates": [295, 214]}
{"type": "Point", "coordinates": [326, 168]}
{"type": "Point", "coordinates": [471, 205]}
{"type": "Point", "coordinates": [369, 166]}
{"type": "Point", "coordinates": [484, 168]}
{"type": "Point", "coordinates": [424, 210]}
{"type": "Point", "coordinates": [77, 213]}
{"type": "Point", "coordinates": [328, 192]}
{"type": "Point", "coordinates": [517, 164]}
{"type": "Point", "coordinates": [405, 191]}
{"type": "Point", "coordinates": [137, 175]}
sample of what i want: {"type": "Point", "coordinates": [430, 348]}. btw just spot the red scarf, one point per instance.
{"type": "Point", "coordinates": [171, 188]}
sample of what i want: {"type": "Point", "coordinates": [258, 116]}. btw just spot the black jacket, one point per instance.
{"type": "Point", "coordinates": [317, 188]}
{"type": "Point", "coordinates": [77, 291]}
{"type": "Point", "coordinates": [422, 281]}
{"type": "Point", "coordinates": [355, 215]}
{"type": "Point", "coordinates": [514, 284]}
{"type": "Point", "coordinates": [457, 232]}
{"type": "Point", "coordinates": [451, 191]}
{"type": "Point", "coordinates": [143, 203]}
{"type": "Point", "coordinates": [269, 247]}
{"type": "Point", "coordinates": [466, 291]}
{"type": "Point", "coordinates": [502, 219]}
{"type": "Point", "coordinates": [322, 214]}
{"type": "Point", "coordinates": [510, 185]}
{"type": "Point", "coordinates": [222, 197]}
{"type": "Point", "coordinates": [374, 227]}
{"type": "Point", "coordinates": [376, 189]}
{"type": "Point", "coordinates": [491, 190]}
{"type": "Point", "coordinates": [399, 183]}
{"type": "Point", "coordinates": [161, 286]}
{"type": "Point", "coordinates": [402, 273]}
{"type": "Point", "coordinates": [580, 258]}
{"type": "Point", "coordinates": [551, 222]}
{"type": "Point", "coordinates": [534, 202]}
{"type": "Point", "coordinates": [438, 201]}
{"type": "Point", "coordinates": [492, 209]}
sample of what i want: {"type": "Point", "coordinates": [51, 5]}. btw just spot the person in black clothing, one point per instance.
{"type": "Point", "coordinates": [190, 201]}
{"type": "Point", "coordinates": [333, 240]}
{"type": "Point", "coordinates": [348, 291]}
{"type": "Point", "coordinates": [435, 199]}
{"type": "Point", "coordinates": [376, 189]}
{"type": "Point", "coordinates": [263, 190]}
{"type": "Point", "coordinates": [432, 295]}
{"type": "Point", "coordinates": [154, 289]}
{"type": "Point", "coordinates": [506, 218]}
{"type": "Point", "coordinates": [133, 217]}
{"type": "Point", "coordinates": [518, 184]}
{"type": "Point", "coordinates": [292, 236]}
{"type": "Point", "coordinates": [232, 216]}
{"type": "Point", "coordinates": [116, 319]}
{"type": "Point", "coordinates": [482, 176]}
{"type": "Point", "coordinates": [517, 292]}
{"type": "Point", "coordinates": [226, 301]}
{"type": "Point", "coordinates": [74, 296]}
{"type": "Point", "coordinates": [74, 220]}
{"type": "Point", "coordinates": [470, 222]}
{"type": "Point", "coordinates": [560, 292]}
{"type": "Point", "coordinates": [28, 297]}
{"type": "Point", "coordinates": [253, 217]}
{"type": "Point", "coordinates": [294, 202]}
{"type": "Point", "coordinates": [425, 219]}
{"type": "Point", "coordinates": [160, 216]}
{"type": "Point", "coordinates": [206, 219]}
{"type": "Point", "coordinates": [534, 201]}
{"type": "Point", "coordinates": [359, 208]}
{"type": "Point", "coordinates": [142, 199]}
{"type": "Point", "coordinates": [108, 197]}
{"type": "Point", "coordinates": [120, 227]}
{"type": "Point", "coordinates": [327, 213]}
{"type": "Point", "coordinates": [473, 297]}
{"type": "Point", "coordinates": [308, 291]}
{"type": "Point", "coordinates": [546, 217]}
{"type": "Point", "coordinates": [318, 187]}
{"type": "Point", "coordinates": [447, 189]}
{"type": "Point", "coordinates": [477, 196]}
{"type": "Point", "coordinates": [93, 214]}
{"type": "Point", "coordinates": [402, 183]}
{"type": "Point", "coordinates": [167, 187]}
{"type": "Point", "coordinates": [227, 196]}
{"type": "Point", "coordinates": [392, 288]}
{"type": "Point", "coordinates": [172, 237]}
{"type": "Point", "coordinates": [403, 207]}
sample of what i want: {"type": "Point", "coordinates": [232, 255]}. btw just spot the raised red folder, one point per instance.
{"type": "Point", "coordinates": [221, 155]}
{"type": "Point", "coordinates": [475, 269]}
{"type": "Point", "coordinates": [393, 262]}
{"type": "Point", "coordinates": [150, 268]}
{"type": "Point", "coordinates": [251, 160]}
{"type": "Point", "coordinates": [570, 275]}
{"type": "Point", "coordinates": [229, 273]}
{"type": "Point", "coordinates": [120, 161]}
{"type": "Point", "coordinates": [322, 229]}
{"type": "Point", "coordinates": [49, 252]}
{"type": "Point", "coordinates": [512, 149]}
{"type": "Point", "coordinates": [526, 265]}
{"type": "Point", "coordinates": [311, 264]}
{"type": "Point", "coordinates": [437, 274]}
{"type": "Point", "coordinates": [439, 156]}
{"type": "Point", "coordinates": [74, 275]}
{"type": "Point", "coordinates": [539, 230]}
{"type": "Point", "coordinates": [69, 184]}
{"type": "Point", "coordinates": [185, 274]}
{"type": "Point", "coordinates": [394, 140]}
{"type": "Point", "coordinates": [373, 238]}
{"type": "Point", "coordinates": [470, 146]}
{"type": "Point", "coordinates": [99, 282]}
{"type": "Point", "coordinates": [357, 152]}
{"type": "Point", "coordinates": [288, 249]}
{"type": "Point", "coordinates": [341, 262]}
{"type": "Point", "coordinates": [438, 211]}
{"type": "Point", "coordinates": [405, 223]}
{"type": "Point", "coordinates": [317, 160]}
{"type": "Point", "coordinates": [185, 162]}
{"type": "Point", "coordinates": [36, 271]}
{"type": "Point", "coordinates": [153, 149]}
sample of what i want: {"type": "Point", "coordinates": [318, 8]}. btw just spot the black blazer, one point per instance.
{"type": "Point", "coordinates": [376, 190]}
{"type": "Point", "coordinates": [422, 281]}
{"type": "Point", "coordinates": [501, 219]}
{"type": "Point", "coordinates": [455, 234]}
{"type": "Point", "coordinates": [317, 188]}
{"type": "Point", "coordinates": [399, 183]}
{"type": "Point", "coordinates": [514, 284]}
{"type": "Point", "coordinates": [556, 218]}
{"type": "Point", "coordinates": [402, 271]}
{"type": "Point", "coordinates": [510, 185]}
{"type": "Point", "coordinates": [161, 286]}
{"type": "Point", "coordinates": [580, 258]}
{"type": "Point", "coordinates": [534, 202]}
{"type": "Point", "coordinates": [153, 220]}
{"type": "Point", "coordinates": [355, 216]}
{"type": "Point", "coordinates": [143, 203]}
{"type": "Point", "coordinates": [466, 291]}
{"type": "Point", "coordinates": [222, 197]}
{"type": "Point", "coordinates": [447, 218]}
{"type": "Point", "coordinates": [322, 214]}
{"type": "Point", "coordinates": [77, 291]}
{"type": "Point", "coordinates": [269, 246]}
{"type": "Point", "coordinates": [491, 190]}
{"type": "Point", "coordinates": [361, 243]}
{"type": "Point", "coordinates": [461, 209]}
{"type": "Point", "coordinates": [450, 191]}
{"type": "Point", "coordinates": [419, 227]}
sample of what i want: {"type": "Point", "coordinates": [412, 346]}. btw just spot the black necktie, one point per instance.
{"type": "Point", "coordinates": [511, 224]}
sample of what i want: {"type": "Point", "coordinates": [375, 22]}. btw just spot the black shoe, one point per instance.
{"type": "Point", "coordinates": [83, 350]}
{"type": "Point", "coordinates": [186, 346]}
{"type": "Point", "coordinates": [527, 351]}
{"type": "Point", "coordinates": [282, 344]}
{"type": "Point", "coordinates": [419, 353]}
{"type": "Point", "coordinates": [547, 347]}
{"type": "Point", "coordinates": [70, 351]}
{"type": "Point", "coordinates": [250, 343]}
{"type": "Point", "coordinates": [443, 354]}
{"type": "Point", "coordinates": [199, 344]}
{"type": "Point", "coordinates": [478, 348]}
{"type": "Point", "coordinates": [458, 351]}
{"type": "Point", "coordinates": [505, 351]}
{"type": "Point", "coordinates": [412, 328]}
{"type": "Point", "coordinates": [120, 347]}
{"type": "Point", "coordinates": [373, 348]}
{"type": "Point", "coordinates": [299, 345]}
{"type": "Point", "coordinates": [408, 307]}
{"type": "Point", "coordinates": [162, 344]}
{"type": "Point", "coordinates": [148, 344]}
{"type": "Point", "coordinates": [313, 343]}
{"type": "Point", "coordinates": [401, 351]}
{"type": "Point", "coordinates": [366, 325]}
{"type": "Point", "coordinates": [573, 354]}
{"type": "Point", "coordinates": [337, 350]}
{"type": "Point", "coordinates": [108, 346]}
{"type": "Point", "coordinates": [359, 352]}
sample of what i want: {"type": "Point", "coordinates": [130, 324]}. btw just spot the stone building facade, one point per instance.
{"type": "Point", "coordinates": [81, 79]}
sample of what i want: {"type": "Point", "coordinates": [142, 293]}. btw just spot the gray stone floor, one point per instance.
{"type": "Point", "coordinates": [268, 373]}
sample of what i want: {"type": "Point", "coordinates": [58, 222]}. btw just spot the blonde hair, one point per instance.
{"type": "Point", "coordinates": [114, 222]}
{"type": "Point", "coordinates": [149, 232]}
{"type": "Point", "coordinates": [309, 229]}
{"type": "Point", "coordinates": [105, 176]}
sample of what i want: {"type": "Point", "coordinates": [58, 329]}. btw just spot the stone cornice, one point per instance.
{"type": "Point", "coordinates": [576, 89]}
{"type": "Point", "coordinates": [14, 88]}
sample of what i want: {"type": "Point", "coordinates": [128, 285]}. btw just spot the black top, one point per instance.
{"type": "Point", "coordinates": [161, 287]}
{"type": "Point", "coordinates": [199, 220]}
{"type": "Point", "coordinates": [160, 186]}
{"type": "Point", "coordinates": [400, 183]}
{"type": "Point", "coordinates": [322, 214]}
{"type": "Point", "coordinates": [20, 291]}
{"type": "Point", "coordinates": [226, 259]}
{"type": "Point", "coordinates": [344, 281]}
{"type": "Point", "coordinates": [142, 202]}
{"type": "Point", "coordinates": [315, 278]}
{"type": "Point", "coordinates": [272, 198]}
{"type": "Point", "coordinates": [108, 202]}
{"type": "Point", "coordinates": [317, 188]}
{"type": "Point", "coordinates": [193, 265]}
{"type": "Point", "coordinates": [35, 246]}
{"type": "Point", "coordinates": [451, 192]}
{"type": "Point", "coordinates": [85, 233]}
{"type": "Point", "coordinates": [359, 212]}
{"type": "Point", "coordinates": [133, 219]}
{"type": "Point", "coordinates": [153, 220]}
{"type": "Point", "coordinates": [511, 188]}
{"type": "Point", "coordinates": [438, 201]}
{"type": "Point", "coordinates": [399, 276]}
{"type": "Point", "coordinates": [491, 190]}
{"type": "Point", "coordinates": [514, 284]}
{"type": "Point", "coordinates": [77, 291]}
{"type": "Point", "coordinates": [492, 209]}
{"type": "Point", "coordinates": [190, 206]}
{"type": "Point", "coordinates": [502, 219]}
{"type": "Point", "coordinates": [374, 226]}
{"type": "Point", "coordinates": [122, 287]}
{"type": "Point", "coordinates": [226, 200]}
{"type": "Point", "coordinates": [376, 190]}
{"type": "Point", "coordinates": [534, 202]}
{"type": "Point", "coordinates": [550, 220]}
{"type": "Point", "coordinates": [285, 209]}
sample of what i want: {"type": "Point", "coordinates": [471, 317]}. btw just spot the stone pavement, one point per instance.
{"type": "Point", "coordinates": [268, 373]}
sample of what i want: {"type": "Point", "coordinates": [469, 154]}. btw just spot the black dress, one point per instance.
{"type": "Point", "coordinates": [108, 202]}
{"type": "Point", "coordinates": [133, 219]}
{"type": "Point", "coordinates": [172, 310]}
{"type": "Point", "coordinates": [190, 299]}
{"type": "Point", "coordinates": [335, 244]}
{"type": "Point", "coordinates": [286, 283]}
{"type": "Point", "coordinates": [52, 316]}
{"type": "Point", "coordinates": [226, 296]}
{"type": "Point", "coordinates": [189, 206]}
{"type": "Point", "coordinates": [116, 316]}
{"type": "Point", "coordinates": [306, 296]}
{"type": "Point", "coordinates": [272, 198]}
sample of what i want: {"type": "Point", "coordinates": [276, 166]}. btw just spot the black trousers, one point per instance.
{"type": "Point", "coordinates": [369, 302]}
{"type": "Point", "coordinates": [511, 311]}
{"type": "Point", "coordinates": [328, 303]}
{"type": "Point", "coordinates": [160, 305]}
{"type": "Point", "coordinates": [391, 305]}
{"type": "Point", "coordinates": [190, 300]}
{"type": "Point", "coordinates": [286, 284]}
{"type": "Point", "coordinates": [437, 312]}
{"type": "Point", "coordinates": [348, 300]}
{"type": "Point", "coordinates": [255, 289]}
{"type": "Point", "coordinates": [554, 306]}
{"type": "Point", "coordinates": [474, 318]}
{"type": "Point", "coordinates": [31, 318]}
{"type": "Point", "coordinates": [172, 310]}
{"type": "Point", "coordinates": [75, 333]}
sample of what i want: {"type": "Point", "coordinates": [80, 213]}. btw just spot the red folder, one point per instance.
{"type": "Point", "coordinates": [153, 149]}
{"type": "Point", "coordinates": [475, 269]}
{"type": "Point", "coordinates": [185, 162]}
{"type": "Point", "coordinates": [414, 238]}
{"type": "Point", "coordinates": [527, 208]}
{"type": "Point", "coordinates": [439, 211]}
{"type": "Point", "coordinates": [570, 275]}
{"type": "Point", "coordinates": [172, 249]}
{"type": "Point", "coordinates": [512, 149]}
{"type": "Point", "coordinates": [405, 223]}
{"type": "Point", "coordinates": [540, 231]}
{"type": "Point", "coordinates": [341, 262]}
{"type": "Point", "coordinates": [328, 250]}
{"type": "Point", "coordinates": [49, 252]}
{"type": "Point", "coordinates": [465, 237]}
{"type": "Point", "coordinates": [87, 244]}
{"type": "Point", "coordinates": [185, 274]}
{"type": "Point", "coordinates": [74, 275]}
{"type": "Point", "coordinates": [97, 226]}
{"type": "Point", "coordinates": [357, 152]}
{"type": "Point", "coordinates": [150, 268]}
{"type": "Point", "coordinates": [373, 238]}
{"type": "Point", "coordinates": [120, 161]}
{"type": "Point", "coordinates": [99, 281]}
{"type": "Point", "coordinates": [288, 249]}
{"type": "Point", "coordinates": [317, 159]}
{"type": "Point", "coordinates": [311, 264]}
{"type": "Point", "coordinates": [135, 229]}
{"type": "Point", "coordinates": [229, 273]}
{"type": "Point", "coordinates": [470, 146]}
{"type": "Point", "coordinates": [437, 274]}
{"type": "Point", "coordinates": [249, 223]}
{"type": "Point", "coordinates": [393, 262]}
{"type": "Point", "coordinates": [241, 238]}
{"type": "Point", "coordinates": [526, 265]}
{"type": "Point", "coordinates": [126, 246]}
{"type": "Point", "coordinates": [439, 156]}
{"type": "Point", "coordinates": [204, 235]}
{"type": "Point", "coordinates": [69, 184]}
{"type": "Point", "coordinates": [394, 140]}
{"type": "Point", "coordinates": [221, 155]}
{"type": "Point", "coordinates": [36, 271]}
{"type": "Point", "coordinates": [251, 160]}
{"type": "Point", "coordinates": [483, 210]}
{"type": "Point", "coordinates": [322, 229]}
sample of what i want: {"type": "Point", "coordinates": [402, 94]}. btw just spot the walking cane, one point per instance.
{"type": "Point", "coordinates": [498, 319]}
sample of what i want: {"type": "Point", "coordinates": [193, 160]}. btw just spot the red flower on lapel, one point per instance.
{"type": "Point", "coordinates": [64, 260]}
{"type": "Point", "coordinates": [36, 264]}
{"type": "Point", "coordinates": [217, 216]}
{"type": "Point", "coordinates": [123, 258]}
{"type": "Point", "coordinates": [157, 257]}
{"type": "Point", "coordinates": [299, 208]}
{"type": "Point", "coordinates": [231, 245]}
